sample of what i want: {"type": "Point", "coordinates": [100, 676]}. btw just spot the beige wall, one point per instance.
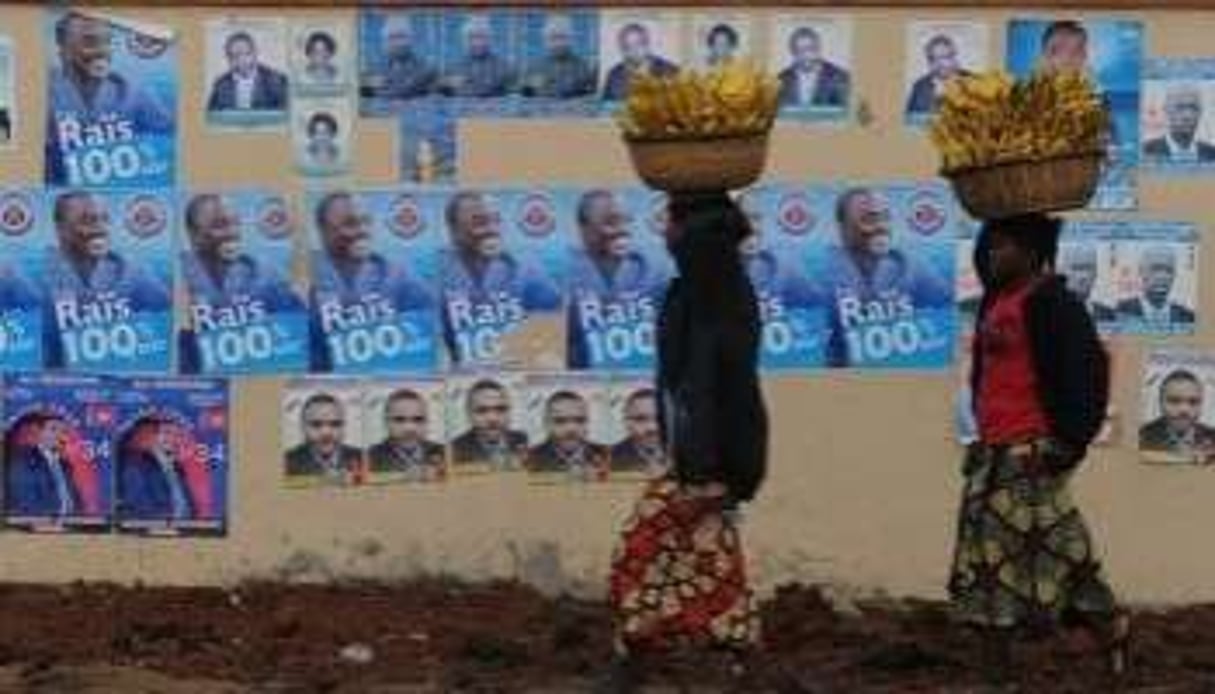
{"type": "Point", "coordinates": [864, 477]}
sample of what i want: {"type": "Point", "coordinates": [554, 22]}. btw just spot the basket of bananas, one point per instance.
{"type": "Point", "coordinates": [696, 132]}
{"type": "Point", "coordinates": [1015, 147]}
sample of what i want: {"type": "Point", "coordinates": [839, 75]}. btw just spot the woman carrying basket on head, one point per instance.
{"type": "Point", "coordinates": [1023, 559]}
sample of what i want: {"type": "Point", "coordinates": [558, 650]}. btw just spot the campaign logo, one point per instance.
{"type": "Point", "coordinates": [927, 213]}
{"type": "Point", "coordinates": [146, 47]}
{"type": "Point", "coordinates": [146, 216]}
{"type": "Point", "coordinates": [273, 218]}
{"type": "Point", "coordinates": [99, 415]}
{"type": "Point", "coordinates": [215, 419]}
{"type": "Point", "coordinates": [405, 217]}
{"type": "Point", "coordinates": [796, 215]}
{"type": "Point", "coordinates": [536, 217]}
{"type": "Point", "coordinates": [16, 214]}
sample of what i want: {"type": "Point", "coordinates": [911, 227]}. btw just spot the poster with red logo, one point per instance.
{"type": "Point", "coordinates": [110, 281]}
{"type": "Point", "coordinates": [374, 274]}
{"type": "Point", "coordinates": [57, 461]}
{"type": "Point", "coordinates": [23, 239]}
{"type": "Point", "coordinates": [785, 221]}
{"type": "Point", "coordinates": [503, 271]}
{"type": "Point", "coordinates": [884, 264]}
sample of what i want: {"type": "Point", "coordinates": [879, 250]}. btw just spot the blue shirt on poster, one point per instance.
{"type": "Point", "coordinates": [111, 291]}
{"type": "Point", "coordinates": [893, 287]}
{"type": "Point", "coordinates": [117, 111]}
{"type": "Point", "coordinates": [601, 298]}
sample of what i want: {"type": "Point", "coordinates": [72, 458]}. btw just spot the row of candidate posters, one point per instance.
{"type": "Point", "coordinates": [113, 83]}
{"type": "Point", "coordinates": [1136, 278]}
{"type": "Point", "coordinates": [94, 454]}
{"type": "Point", "coordinates": [557, 428]}
{"type": "Point", "coordinates": [858, 276]}
{"type": "Point", "coordinates": [1176, 423]}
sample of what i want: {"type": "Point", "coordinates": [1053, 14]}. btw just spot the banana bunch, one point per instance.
{"type": "Point", "coordinates": [991, 119]}
{"type": "Point", "coordinates": [735, 99]}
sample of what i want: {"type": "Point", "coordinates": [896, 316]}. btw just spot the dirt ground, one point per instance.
{"type": "Point", "coordinates": [443, 637]}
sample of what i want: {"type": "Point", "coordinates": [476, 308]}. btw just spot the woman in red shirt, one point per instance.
{"type": "Point", "coordinates": [1024, 559]}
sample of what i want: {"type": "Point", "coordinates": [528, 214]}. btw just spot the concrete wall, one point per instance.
{"type": "Point", "coordinates": [864, 475]}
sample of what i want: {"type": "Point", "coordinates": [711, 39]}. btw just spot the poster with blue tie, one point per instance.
{"type": "Point", "coordinates": [57, 462]}
{"type": "Point", "coordinates": [171, 448]}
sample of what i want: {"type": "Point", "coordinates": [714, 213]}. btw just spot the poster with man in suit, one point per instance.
{"type": "Point", "coordinates": [322, 433]}
{"type": "Point", "coordinates": [566, 415]}
{"type": "Point", "coordinates": [405, 430]}
{"type": "Point", "coordinates": [812, 57]}
{"type": "Point", "coordinates": [57, 458]}
{"type": "Point", "coordinates": [171, 455]}
{"type": "Point", "coordinates": [1177, 131]}
{"type": "Point", "coordinates": [937, 53]}
{"type": "Point", "coordinates": [1178, 425]}
{"type": "Point", "coordinates": [246, 70]}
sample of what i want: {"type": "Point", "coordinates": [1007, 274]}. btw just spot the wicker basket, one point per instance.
{"type": "Point", "coordinates": [1022, 187]}
{"type": "Point", "coordinates": [700, 164]}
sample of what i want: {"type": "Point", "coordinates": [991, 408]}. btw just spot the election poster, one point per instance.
{"type": "Point", "coordinates": [503, 273]}
{"type": "Point", "coordinates": [618, 271]}
{"type": "Point", "coordinates": [1177, 424]}
{"type": "Point", "coordinates": [321, 135]}
{"type": "Point", "coordinates": [631, 430]}
{"type": "Point", "coordinates": [1178, 133]}
{"type": "Point", "coordinates": [812, 57]}
{"type": "Point", "coordinates": [110, 281]}
{"type": "Point", "coordinates": [111, 102]}
{"type": "Point", "coordinates": [886, 261]}
{"type": "Point", "coordinates": [244, 315]}
{"type": "Point", "coordinates": [171, 456]}
{"type": "Point", "coordinates": [478, 55]}
{"type": "Point", "coordinates": [1111, 51]}
{"type": "Point", "coordinates": [937, 52]}
{"type": "Point", "coordinates": [246, 72]}
{"type": "Point", "coordinates": [968, 288]}
{"type": "Point", "coordinates": [428, 143]}
{"type": "Point", "coordinates": [322, 432]}
{"type": "Point", "coordinates": [24, 235]}
{"type": "Point", "coordinates": [404, 426]}
{"type": "Point", "coordinates": [720, 38]}
{"type": "Point", "coordinates": [375, 271]}
{"type": "Point", "coordinates": [57, 456]}
{"type": "Point", "coordinates": [486, 426]}
{"type": "Point", "coordinates": [635, 42]}
{"type": "Point", "coordinates": [777, 258]}
{"type": "Point", "coordinates": [322, 56]}
{"type": "Point", "coordinates": [398, 58]}
{"type": "Point", "coordinates": [559, 62]}
{"type": "Point", "coordinates": [566, 418]}
{"type": "Point", "coordinates": [1155, 277]}
{"type": "Point", "coordinates": [8, 93]}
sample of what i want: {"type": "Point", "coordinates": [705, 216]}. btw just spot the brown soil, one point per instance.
{"type": "Point", "coordinates": [441, 636]}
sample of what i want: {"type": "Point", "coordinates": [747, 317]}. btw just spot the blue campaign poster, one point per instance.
{"type": "Point", "coordinates": [57, 460]}
{"type": "Point", "coordinates": [559, 62]}
{"type": "Point", "coordinates": [886, 263]}
{"type": "Point", "coordinates": [23, 238]}
{"type": "Point", "coordinates": [398, 51]}
{"type": "Point", "coordinates": [171, 456]}
{"type": "Point", "coordinates": [110, 281]}
{"type": "Point", "coordinates": [618, 270]}
{"type": "Point", "coordinates": [111, 102]}
{"type": "Point", "coordinates": [785, 221]}
{"type": "Point", "coordinates": [244, 316]}
{"type": "Point", "coordinates": [504, 262]}
{"type": "Point", "coordinates": [428, 144]}
{"type": "Point", "coordinates": [1112, 52]}
{"type": "Point", "coordinates": [374, 280]}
